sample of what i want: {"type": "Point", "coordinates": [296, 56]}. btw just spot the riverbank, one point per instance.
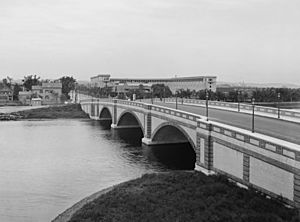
{"type": "Point", "coordinates": [69, 111]}
{"type": "Point", "coordinates": [178, 196]}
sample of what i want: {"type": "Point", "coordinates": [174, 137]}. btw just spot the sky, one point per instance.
{"type": "Point", "coordinates": [235, 40]}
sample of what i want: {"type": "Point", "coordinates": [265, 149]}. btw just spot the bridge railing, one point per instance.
{"type": "Point", "coordinates": [94, 100]}
{"type": "Point", "coordinates": [162, 109]}
{"type": "Point", "coordinates": [131, 103]}
{"type": "Point", "coordinates": [234, 106]}
{"type": "Point", "coordinates": [147, 107]}
{"type": "Point", "coordinates": [177, 113]}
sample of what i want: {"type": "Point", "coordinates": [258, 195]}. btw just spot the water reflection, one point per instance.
{"type": "Point", "coordinates": [174, 156]}
{"type": "Point", "coordinates": [46, 166]}
{"type": "Point", "coordinates": [171, 156]}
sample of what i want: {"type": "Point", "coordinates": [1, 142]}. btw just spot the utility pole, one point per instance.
{"type": "Point", "coordinates": [176, 99]}
{"type": "Point", "coordinates": [151, 95]}
{"type": "Point", "coordinates": [206, 96]}
{"type": "Point", "coordinates": [253, 107]}
{"type": "Point", "coordinates": [238, 97]}
{"type": "Point", "coordinates": [278, 104]}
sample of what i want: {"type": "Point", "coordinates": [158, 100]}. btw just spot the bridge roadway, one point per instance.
{"type": "Point", "coordinates": [277, 128]}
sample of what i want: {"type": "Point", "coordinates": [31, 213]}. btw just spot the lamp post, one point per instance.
{"type": "Point", "coordinates": [238, 98]}
{"type": "Point", "coordinates": [253, 106]}
{"type": "Point", "coordinates": [206, 96]}
{"type": "Point", "coordinates": [106, 93]}
{"type": "Point", "coordinates": [164, 94]}
{"type": "Point", "coordinates": [176, 100]}
{"type": "Point", "coordinates": [278, 103]}
{"type": "Point", "coordinates": [151, 94]}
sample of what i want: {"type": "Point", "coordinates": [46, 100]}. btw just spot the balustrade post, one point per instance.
{"type": "Point", "coordinates": [278, 105]}
{"type": "Point", "coordinates": [206, 96]}
{"type": "Point", "coordinates": [253, 108]}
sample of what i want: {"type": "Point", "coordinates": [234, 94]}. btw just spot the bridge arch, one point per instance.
{"type": "Point", "coordinates": [171, 133]}
{"type": "Point", "coordinates": [129, 119]}
{"type": "Point", "coordinates": [105, 114]}
{"type": "Point", "coordinates": [179, 148]}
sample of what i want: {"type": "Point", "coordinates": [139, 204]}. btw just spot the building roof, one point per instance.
{"type": "Point", "coordinates": [173, 79]}
{"type": "Point", "coordinates": [36, 99]}
{"type": "Point", "coordinates": [21, 93]}
{"type": "Point", "coordinates": [37, 87]}
{"type": "Point", "coordinates": [51, 85]}
{"type": "Point", "coordinates": [100, 75]}
{"type": "Point", "coordinates": [6, 89]}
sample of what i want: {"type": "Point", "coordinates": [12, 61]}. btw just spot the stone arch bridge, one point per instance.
{"type": "Point", "coordinates": [251, 159]}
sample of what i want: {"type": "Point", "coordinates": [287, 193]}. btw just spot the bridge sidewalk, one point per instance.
{"type": "Point", "coordinates": [258, 113]}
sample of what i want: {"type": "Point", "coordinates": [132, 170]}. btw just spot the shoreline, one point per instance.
{"type": "Point", "coordinates": [68, 111]}
{"type": "Point", "coordinates": [66, 215]}
{"type": "Point", "coordinates": [168, 193]}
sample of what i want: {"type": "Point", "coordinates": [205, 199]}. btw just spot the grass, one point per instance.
{"type": "Point", "coordinates": [183, 196]}
{"type": "Point", "coordinates": [69, 111]}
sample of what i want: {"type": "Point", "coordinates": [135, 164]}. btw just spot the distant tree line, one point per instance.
{"type": "Point", "coordinates": [161, 91]}
{"type": "Point", "coordinates": [259, 94]}
{"type": "Point", "coordinates": [142, 92]}
{"type": "Point", "coordinates": [275, 94]}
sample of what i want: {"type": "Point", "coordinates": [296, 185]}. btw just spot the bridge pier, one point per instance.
{"type": "Point", "coordinates": [149, 142]}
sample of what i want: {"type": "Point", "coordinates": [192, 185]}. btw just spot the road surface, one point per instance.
{"type": "Point", "coordinates": [280, 129]}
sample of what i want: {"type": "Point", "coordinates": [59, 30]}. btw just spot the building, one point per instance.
{"type": "Point", "coordinates": [100, 80]}
{"type": "Point", "coordinates": [243, 91]}
{"type": "Point", "coordinates": [125, 87]}
{"type": "Point", "coordinates": [6, 95]}
{"type": "Point", "coordinates": [192, 83]}
{"type": "Point", "coordinates": [49, 92]}
{"type": "Point", "coordinates": [25, 97]}
{"type": "Point", "coordinates": [36, 101]}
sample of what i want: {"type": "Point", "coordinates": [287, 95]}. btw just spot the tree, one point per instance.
{"type": "Point", "coordinates": [17, 89]}
{"type": "Point", "coordinates": [30, 81]}
{"type": "Point", "coordinates": [160, 90]}
{"type": "Point", "coordinates": [7, 82]}
{"type": "Point", "coordinates": [68, 84]}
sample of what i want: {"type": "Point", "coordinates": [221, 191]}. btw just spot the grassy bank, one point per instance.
{"type": "Point", "coordinates": [69, 111]}
{"type": "Point", "coordinates": [183, 196]}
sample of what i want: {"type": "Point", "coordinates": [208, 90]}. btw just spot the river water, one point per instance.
{"type": "Point", "coordinates": [48, 165]}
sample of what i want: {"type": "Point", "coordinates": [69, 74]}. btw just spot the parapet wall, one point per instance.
{"type": "Point", "coordinates": [242, 106]}
{"type": "Point", "coordinates": [268, 164]}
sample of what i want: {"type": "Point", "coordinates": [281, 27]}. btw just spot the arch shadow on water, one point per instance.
{"type": "Point", "coordinates": [105, 124]}
{"type": "Point", "coordinates": [172, 156]}
{"type": "Point", "coordinates": [177, 150]}
{"type": "Point", "coordinates": [132, 136]}
{"type": "Point", "coordinates": [175, 156]}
